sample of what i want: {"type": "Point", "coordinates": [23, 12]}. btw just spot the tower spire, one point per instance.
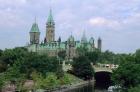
{"type": "Point", "coordinates": [50, 28]}
{"type": "Point", "coordinates": [84, 38]}
{"type": "Point", "coordinates": [99, 44]}
{"type": "Point", "coordinates": [71, 33]}
{"type": "Point", "coordinates": [50, 18]}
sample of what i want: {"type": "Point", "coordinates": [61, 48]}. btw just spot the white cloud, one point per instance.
{"type": "Point", "coordinates": [135, 18]}
{"type": "Point", "coordinates": [103, 22]}
{"type": "Point", "coordinates": [10, 19]}
{"type": "Point", "coordinates": [12, 2]}
{"type": "Point", "coordinates": [73, 16]}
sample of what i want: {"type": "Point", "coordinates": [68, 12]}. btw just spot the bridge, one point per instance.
{"type": "Point", "coordinates": [102, 69]}
{"type": "Point", "coordinates": [102, 74]}
{"type": "Point", "coordinates": [97, 68]}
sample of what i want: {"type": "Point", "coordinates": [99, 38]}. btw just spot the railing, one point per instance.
{"type": "Point", "coordinates": [105, 67]}
{"type": "Point", "coordinates": [98, 69]}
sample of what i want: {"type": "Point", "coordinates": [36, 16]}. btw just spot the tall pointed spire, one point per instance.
{"type": "Point", "coordinates": [50, 28]}
{"type": "Point", "coordinates": [34, 27]}
{"type": "Point", "coordinates": [50, 18]}
{"type": "Point", "coordinates": [34, 33]}
{"type": "Point", "coordinates": [99, 43]}
{"type": "Point", "coordinates": [84, 38]}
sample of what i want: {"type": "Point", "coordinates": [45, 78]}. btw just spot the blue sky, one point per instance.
{"type": "Point", "coordinates": [117, 22]}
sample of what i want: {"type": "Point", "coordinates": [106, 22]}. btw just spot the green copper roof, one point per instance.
{"type": "Point", "coordinates": [34, 28]}
{"type": "Point", "coordinates": [50, 18]}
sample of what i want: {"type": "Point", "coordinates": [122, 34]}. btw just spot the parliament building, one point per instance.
{"type": "Point", "coordinates": [52, 47]}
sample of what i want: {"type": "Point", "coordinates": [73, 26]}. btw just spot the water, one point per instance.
{"type": "Point", "coordinates": [103, 81]}
{"type": "Point", "coordinates": [88, 88]}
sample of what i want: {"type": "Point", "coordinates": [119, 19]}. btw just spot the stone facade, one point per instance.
{"type": "Point", "coordinates": [34, 34]}
{"type": "Point", "coordinates": [100, 44]}
{"type": "Point", "coordinates": [50, 29]}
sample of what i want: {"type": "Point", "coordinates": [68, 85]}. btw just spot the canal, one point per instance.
{"type": "Point", "coordinates": [88, 88]}
{"type": "Point", "coordinates": [103, 81]}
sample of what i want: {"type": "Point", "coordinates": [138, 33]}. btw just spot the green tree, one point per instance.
{"type": "Point", "coordinates": [59, 72]}
{"type": "Point", "coordinates": [3, 66]}
{"type": "Point", "coordinates": [18, 64]}
{"type": "Point", "coordinates": [62, 54]}
{"type": "Point", "coordinates": [82, 67]}
{"type": "Point", "coordinates": [93, 56]}
{"type": "Point", "coordinates": [51, 81]}
{"type": "Point", "coordinates": [13, 73]}
{"type": "Point", "coordinates": [39, 63]}
{"type": "Point", "coordinates": [2, 80]}
{"type": "Point", "coordinates": [137, 56]}
{"type": "Point", "coordinates": [82, 50]}
{"type": "Point", "coordinates": [127, 75]}
{"type": "Point", "coordinates": [11, 55]}
{"type": "Point", "coordinates": [1, 51]}
{"type": "Point", "coordinates": [107, 57]}
{"type": "Point", "coordinates": [134, 89]}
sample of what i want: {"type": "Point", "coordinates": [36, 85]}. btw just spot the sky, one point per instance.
{"type": "Point", "coordinates": [116, 22]}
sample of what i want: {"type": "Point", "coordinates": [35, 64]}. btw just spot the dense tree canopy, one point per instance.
{"type": "Point", "coordinates": [18, 64]}
{"type": "Point", "coordinates": [10, 55]}
{"type": "Point", "coordinates": [62, 54]}
{"type": "Point", "coordinates": [107, 57]}
{"type": "Point", "coordinates": [93, 56]}
{"type": "Point", "coordinates": [39, 63]}
{"type": "Point", "coordinates": [137, 56]}
{"type": "Point", "coordinates": [128, 73]}
{"type": "Point", "coordinates": [134, 89]}
{"type": "Point", "coordinates": [82, 67]}
{"type": "Point", "coordinates": [1, 52]}
{"type": "Point", "coordinates": [81, 51]}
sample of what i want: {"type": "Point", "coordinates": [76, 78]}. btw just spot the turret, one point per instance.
{"type": "Point", "coordinates": [71, 41]}
{"type": "Point", "coordinates": [99, 44]}
{"type": "Point", "coordinates": [34, 34]}
{"type": "Point", "coordinates": [59, 39]}
{"type": "Point", "coordinates": [71, 53]}
{"type": "Point", "coordinates": [84, 38]}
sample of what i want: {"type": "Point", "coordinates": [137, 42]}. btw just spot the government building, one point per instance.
{"type": "Point", "coordinates": [52, 47]}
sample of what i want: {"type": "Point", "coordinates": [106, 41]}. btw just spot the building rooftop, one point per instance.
{"type": "Point", "coordinates": [34, 28]}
